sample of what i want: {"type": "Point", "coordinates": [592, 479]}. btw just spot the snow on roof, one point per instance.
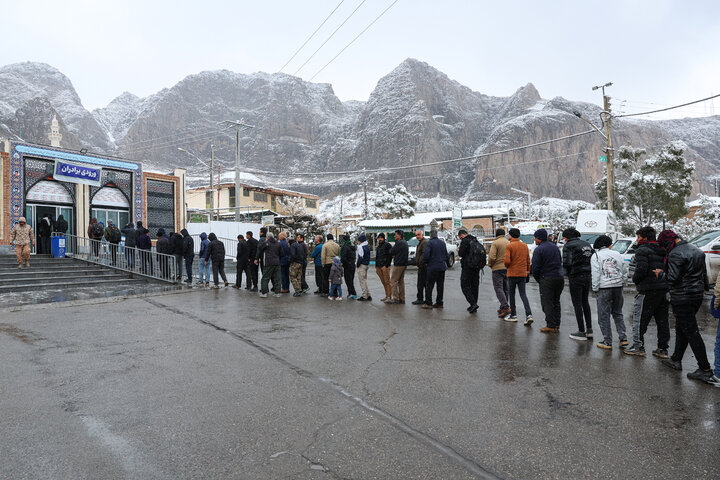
{"type": "Point", "coordinates": [698, 202]}
{"type": "Point", "coordinates": [422, 219]}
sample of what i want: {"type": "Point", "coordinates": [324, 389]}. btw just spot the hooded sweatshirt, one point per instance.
{"type": "Point", "coordinates": [336, 272]}
{"type": "Point", "coordinates": [204, 242]}
{"type": "Point", "coordinates": [609, 270]}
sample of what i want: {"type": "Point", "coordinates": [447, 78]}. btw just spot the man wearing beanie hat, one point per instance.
{"type": "Point", "coordinates": [609, 275]}
{"type": "Point", "coordinates": [22, 235]}
{"type": "Point", "coordinates": [383, 260]}
{"type": "Point", "coordinates": [684, 272]}
{"type": "Point", "coordinates": [496, 262]}
{"type": "Point", "coordinates": [363, 263]}
{"type": "Point", "coordinates": [547, 270]}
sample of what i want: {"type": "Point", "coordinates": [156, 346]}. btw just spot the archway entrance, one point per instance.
{"type": "Point", "coordinates": [110, 204]}
{"type": "Point", "coordinates": [50, 198]}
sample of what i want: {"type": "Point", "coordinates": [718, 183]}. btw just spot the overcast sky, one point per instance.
{"type": "Point", "coordinates": [656, 52]}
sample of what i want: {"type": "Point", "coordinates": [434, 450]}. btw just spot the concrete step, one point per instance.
{"type": "Point", "coordinates": [31, 286]}
{"type": "Point", "coordinates": [51, 269]}
{"type": "Point", "coordinates": [21, 275]}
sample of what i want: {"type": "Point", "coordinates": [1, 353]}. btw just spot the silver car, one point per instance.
{"type": "Point", "coordinates": [709, 242]}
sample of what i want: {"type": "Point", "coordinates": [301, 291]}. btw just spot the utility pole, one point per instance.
{"type": "Point", "coordinates": [212, 188]}
{"type": "Point", "coordinates": [365, 212]}
{"type": "Point", "coordinates": [240, 126]}
{"type": "Point", "coordinates": [608, 147]}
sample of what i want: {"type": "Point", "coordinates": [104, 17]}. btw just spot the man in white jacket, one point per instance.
{"type": "Point", "coordinates": [609, 275]}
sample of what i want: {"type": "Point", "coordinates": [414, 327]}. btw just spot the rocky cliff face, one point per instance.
{"type": "Point", "coordinates": [415, 116]}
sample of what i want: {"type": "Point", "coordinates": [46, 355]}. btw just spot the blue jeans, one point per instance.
{"type": "Point", "coordinates": [336, 290]}
{"type": "Point", "coordinates": [204, 271]}
{"type": "Point", "coordinates": [717, 352]}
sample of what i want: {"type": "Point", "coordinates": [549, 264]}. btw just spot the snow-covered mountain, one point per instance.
{"type": "Point", "coordinates": [415, 116]}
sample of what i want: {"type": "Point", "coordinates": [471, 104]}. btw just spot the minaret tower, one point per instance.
{"type": "Point", "coordinates": [55, 135]}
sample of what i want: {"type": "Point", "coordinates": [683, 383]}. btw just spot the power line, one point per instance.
{"type": "Point", "coordinates": [666, 109]}
{"type": "Point", "coordinates": [353, 40]}
{"type": "Point", "coordinates": [430, 164]}
{"type": "Point", "coordinates": [140, 144]}
{"type": "Point", "coordinates": [331, 35]}
{"type": "Point", "coordinates": [311, 36]}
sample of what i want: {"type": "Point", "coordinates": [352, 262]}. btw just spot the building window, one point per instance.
{"type": "Point", "coordinates": [310, 203]}
{"type": "Point", "coordinates": [260, 197]}
{"type": "Point", "coordinates": [160, 206]}
{"type": "Point", "coordinates": [231, 193]}
{"type": "Point", "coordinates": [273, 205]}
{"type": "Point", "coordinates": [208, 198]}
{"type": "Point", "coordinates": [246, 192]}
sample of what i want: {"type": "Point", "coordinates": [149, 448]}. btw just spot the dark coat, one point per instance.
{"type": "Point", "coordinates": [215, 252]}
{"type": "Point", "coordinates": [61, 225]}
{"type": "Point", "coordinates": [464, 251]}
{"type": "Point", "coordinates": [204, 244]}
{"type": "Point", "coordinates": [546, 262]}
{"type": "Point", "coordinates": [420, 252]}
{"type": "Point", "coordinates": [336, 273]}
{"type": "Point", "coordinates": [382, 255]}
{"type": "Point", "coordinates": [243, 253]}
{"type": "Point", "coordinates": [434, 255]}
{"type": "Point", "coordinates": [285, 256]}
{"type": "Point", "coordinates": [649, 256]}
{"type": "Point", "coordinates": [270, 252]}
{"type": "Point", "coordinates": [348, 253]}
{"type": "Point", "coordinates": [188, 244]}
{"type": "Point", "coordinates": [317, 255]}
{"type": "Point", "coordinates": [576, 255]}
{"type": "Point", "coordinates": [144, 242]}
{"type": "Point", "coordinates": [399, 252]}
{"type": "Point", "coordinates": [298, 253]}
{"type": "Point", "coordinates": [163, 245]}
{"type": "Point", "coordinates": [43, 228]}
{"type": "Point", "coordinates": [365, 259]}
{"type": "Point", "coordinates": [685, 272]}
{"type": "Point", "coordinates": [252, 245]}
{"type": "Point", "coordinates": [176, 244]}
{"type": "Point", "coordinates": [131, 235]}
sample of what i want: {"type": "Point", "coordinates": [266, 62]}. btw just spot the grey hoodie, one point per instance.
{"type": "Point", "coordinates": [609, 270]}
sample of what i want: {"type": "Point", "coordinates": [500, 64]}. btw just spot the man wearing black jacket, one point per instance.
{"type": "Point", "coordinates": [383, 259]}
{"type": "Point", "coordinates": [684, 272]}
{"type": "Point", "coordinates": [347, 258]}
{"type": "Point", "coordinates": [576, 256]}
{"type": "Point", "coordinates": [469, 274]}
{"type": "Point", "coordinates": [270, 252]}
{"type": "Point", "coordinates": [651, 299]}
{"type": "Point", "coordinates": [243, 255]}
{"type": "Point", "coordinates": [252, 276]}
{"type": "Point", "coordinates": [131, 242]}
{"type": "Point", "coordinates": [176, 245]}
{"type": "Point", "coordinates": [399, 252]}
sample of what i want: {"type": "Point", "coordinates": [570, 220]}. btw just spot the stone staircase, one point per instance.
{"type": "Point", "coordinates": [51, 279]}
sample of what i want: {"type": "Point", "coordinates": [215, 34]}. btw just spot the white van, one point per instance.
{"type": "Point", "coordinates": [593, 223]}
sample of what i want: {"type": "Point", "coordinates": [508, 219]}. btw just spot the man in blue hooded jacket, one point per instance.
{"type": "Point", "coordinates": [547, 270]}
{"type": "Point", "coordinates": [204, 267]}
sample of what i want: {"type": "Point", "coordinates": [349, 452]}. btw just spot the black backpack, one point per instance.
{"type": "Point", "coordinates": [477, 257]}
{"type": "Point", "coordinates": [97, 230]}
{"type": "Point", "coordinates": [114, 235]}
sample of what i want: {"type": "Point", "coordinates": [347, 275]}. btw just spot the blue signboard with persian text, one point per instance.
{"type": "Point", "coordinates": [72, 172]}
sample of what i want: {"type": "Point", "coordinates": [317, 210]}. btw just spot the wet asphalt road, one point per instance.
{"type": "Point", "coordinates": [223, 384]}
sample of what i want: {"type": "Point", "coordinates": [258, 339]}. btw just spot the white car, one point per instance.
{"type": "Point", "coordinates": [451, 252]}
{"type": "Point", "coordinates": [709, 242]}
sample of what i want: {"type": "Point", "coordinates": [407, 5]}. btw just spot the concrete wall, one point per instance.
{"type": "Point", "coordinates": [224, 229]}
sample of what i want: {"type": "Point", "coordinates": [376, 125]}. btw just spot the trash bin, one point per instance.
{"type": "Point", "coordinates": [57, 247]}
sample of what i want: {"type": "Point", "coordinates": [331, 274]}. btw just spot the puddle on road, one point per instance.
{"type": "Point", "coordinates": [22, 335]}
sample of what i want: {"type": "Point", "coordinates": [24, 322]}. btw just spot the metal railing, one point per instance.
{"type": "Point", "coordinates": [146, 263]}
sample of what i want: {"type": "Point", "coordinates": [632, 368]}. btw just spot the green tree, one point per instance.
{"type": "Point", "coordinates": [648, 190]}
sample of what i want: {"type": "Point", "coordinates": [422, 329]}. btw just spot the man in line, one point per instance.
{"type": "Point", "coordinates": [576, 256]}
{"type": "Point", "coordinates": [684, 273]}
{"type": "Point", "coordinates": [130, 243]}
{"type": "Point", "coordinates": [298, 254]}
{"type": "Point", "coordinates": [651, 299]}
{"type": "Point", "coordinates": [270, 252]}
{"type": "Point", "coordinates": [399, 252]}
{"type": "Point", "coordinates": [95, 233]}
{"type": "Point", "coordinates": [363, 264]}
{"type": "Point", "coordinates": [421, 266]}
{"type": "Point", "coordinates": [204, 268]}
{"type": "Point", "coordinates": [113, 237]}
{"type": "Point", "coordinates": [176, 247]}
{"type": "Point", "coordinates": [433, 258]}
{"type": "Point", "coordinates": [383, 259]}
{"type": "Point", "coordinates": [609, 275]}
{"type": "Point", "coordinates": [242, 257]}
{"type": "Point", "coordinates": [284, 263]}
{"type": "Point", "coordinates": [316, 255]}
{"type": "Point", "coordinates": [547, 270]}
{"type": "Point", "coordinates": [300, 238]}
{"type": "Point", "coordinates": [472, 260]}
{"type": "Point", "coordinates": [517, 262]}
{"type": "Point", "coordinates": [162, 249]}
{"type": "Point", "coordinates": [22, 235]}
{"type": "Point", "coordinates": [252, 272]}
{"type": "Point", "coordinates": [496, 261]}
{"type": "Point", "coordinates": [347, 258]}
{"type": "Point", "coordinates": [330, 250]}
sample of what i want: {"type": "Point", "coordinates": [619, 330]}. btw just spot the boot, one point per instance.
{"type": "Point", "coordinates": [27, 263]}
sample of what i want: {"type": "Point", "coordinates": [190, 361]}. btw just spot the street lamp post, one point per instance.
{"type": "Point", "coordinates": [524, 193]}
{"type": "Point", "coordinates": [211, 167]}
{"type": "Point", "coordinates": [240, 126]}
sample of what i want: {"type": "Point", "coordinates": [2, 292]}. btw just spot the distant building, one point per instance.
{"type": "Point", "coordinates": [251, 199]}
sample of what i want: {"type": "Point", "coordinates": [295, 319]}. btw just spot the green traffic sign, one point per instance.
{"type": "Point", "coordinates": [602, 158]}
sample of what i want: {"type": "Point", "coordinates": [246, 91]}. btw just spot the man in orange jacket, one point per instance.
{"type": "Point", "coordinates": [517, 262]}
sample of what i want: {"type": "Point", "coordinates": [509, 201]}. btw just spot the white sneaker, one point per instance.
{"type": "Point", "coordinates": [263, 295]}
{"type": "Point", "coordinates": [339, 299]}
{"type": "Point", "coordinates": [529, 320]}
{"type": "Point", "coordinates": [510, 318]}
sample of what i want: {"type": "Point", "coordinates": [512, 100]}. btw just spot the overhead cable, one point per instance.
{"type": "Point", "coordinates": [311, 36]}
{"type": "Point", "coordinates": [666, 109]}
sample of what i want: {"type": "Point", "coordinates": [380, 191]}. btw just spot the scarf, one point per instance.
{"type": "Point", "coordinates": [666, 239]}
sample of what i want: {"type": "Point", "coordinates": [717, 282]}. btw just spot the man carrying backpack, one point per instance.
{"type": "Point", "coordinates": [473, 259]}
{"type": "Point", "coordinates": [576, 257]}
{"type": "Point", "coordinates": [95, 233]}
{"type": "Point", "coordinates": [113, 236]}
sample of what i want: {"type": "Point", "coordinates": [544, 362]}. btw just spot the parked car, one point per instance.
{"type": "Point", "coordinates": [709, 242]}
{"type": "Point", "coordinates": [451, 251]}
